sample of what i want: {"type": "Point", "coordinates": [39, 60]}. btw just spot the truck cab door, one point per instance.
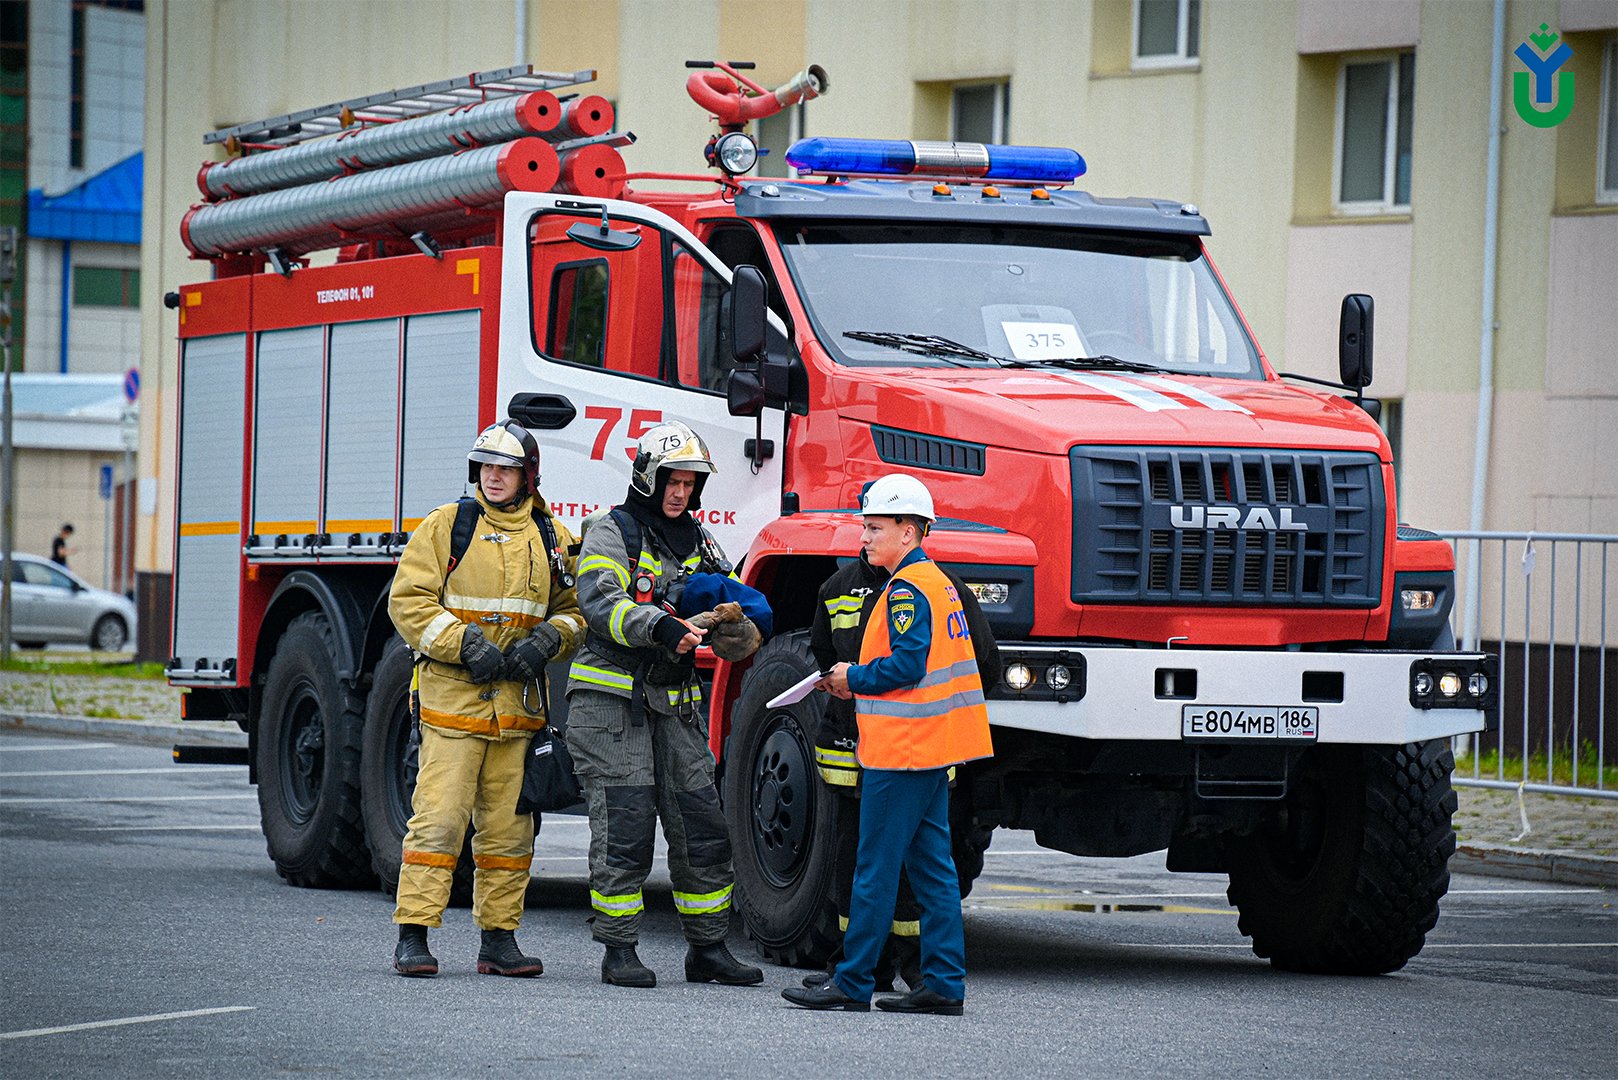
{"type": "Point", "coordinates": [616, 319]}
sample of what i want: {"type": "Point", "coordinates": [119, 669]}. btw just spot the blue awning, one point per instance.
{"type": "Point", "coordinates": [105, 207]}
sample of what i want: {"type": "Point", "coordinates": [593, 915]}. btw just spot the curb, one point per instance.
{"type": "Point", "coordinates": [151, 733]}
{"type": "Point", "coordinates": [1531, 864]}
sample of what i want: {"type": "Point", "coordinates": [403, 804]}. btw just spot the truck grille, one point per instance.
{"type": "Point", "coordinates": [1231, 527]}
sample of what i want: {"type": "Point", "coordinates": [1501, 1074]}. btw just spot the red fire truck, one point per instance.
{"type": "Point", "coordinates": [1219, 639]}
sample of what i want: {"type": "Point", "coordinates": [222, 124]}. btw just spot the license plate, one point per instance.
{"type": "Point", "coordinates": [1262, 723]}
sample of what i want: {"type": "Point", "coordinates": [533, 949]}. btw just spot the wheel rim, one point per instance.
{"type": "Point", "coordinates": [1295, 843]}
{"type": "Point", "coordinates": [303, 753]}
{"type": "Point", "coordinates": [109, 636]}
{"type": "Point", "coordinates": [404, 762]}
{"type": "Point", "coordinates": [782, 800]}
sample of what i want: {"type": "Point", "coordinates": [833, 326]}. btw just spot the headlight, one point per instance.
{"type": "Point", "coordinates": [1449, 684]}
{"type": "Point", "coordinates": [1058, 677]}
{"type": "Point", "coordinates": [1422, 684]}
{"type": "Point", "coordinates": [736, 153]}
{"type": "Point", "coordinates": [1019, 676]}
{"type": "Point", "coordinates": [1477, 684]}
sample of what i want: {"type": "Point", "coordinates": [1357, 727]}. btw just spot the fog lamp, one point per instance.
{"type": "Point", "coordinates": [995, 592]}
{"type": "Point", "coordinates": [1058, 677]}
{"type": "Point", "coordinates": [1018, 676]}
{"type": "Point", "coordinates": [1418, 599]}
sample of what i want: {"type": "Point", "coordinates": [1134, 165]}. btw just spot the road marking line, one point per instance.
{"type": "Point", "coordinates": [1520, 892]}
{"type": "Point", "coordinates": [121, 799]}
{"type": "Point", "coordinates": [171, 828]}
{"type": "Point", "coordinates": [171, 770]}
{"type": "Point", "coordinates": [1037, 851]}
{"type": "Point", "coordinates": [1429, 945]}
{"type": "Point", "coordinates": [125, 1020]}
{"type": "Point", "coordinates": [59, 746]}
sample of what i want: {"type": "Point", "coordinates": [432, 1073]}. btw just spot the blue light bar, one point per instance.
{"type": "Point", "coordinates": [897, 157]}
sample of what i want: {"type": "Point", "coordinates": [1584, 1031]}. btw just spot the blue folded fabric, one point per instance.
{"type": "Point", "coordinates": [704, 592]}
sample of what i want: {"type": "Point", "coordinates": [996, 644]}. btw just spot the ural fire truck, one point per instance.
{"type": "Point", "coordinates": [1219, 639]}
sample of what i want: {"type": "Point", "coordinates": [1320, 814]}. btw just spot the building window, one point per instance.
{"type": "Point", "coordinates": [102, 286]}
{"type": "Point", "coordinates": [776, 134]}
{"type": "Point", "coordinates": [1167, 33]}
{"type": "Point", "coordinates": [1373, 134]}
{"type": "Point", "coordinates": [980, 113]}
{"type": "Point", "coordinates": [1607, 153]}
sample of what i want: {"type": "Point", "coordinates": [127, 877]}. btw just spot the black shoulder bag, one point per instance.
{"type": "Point", "coordinates": [548, 782]}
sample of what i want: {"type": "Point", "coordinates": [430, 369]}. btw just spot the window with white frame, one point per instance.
{"type": "Point", "coordinates": [776, 134]}
{"type": "Point", "coordinates": [1167, 33]}
{"type": "Point", "coordinates": [1607, 152]}
{"type": "Point", "coordinates": [1374, 107]}
{"type": "Point", "coordinates": [980, 113]}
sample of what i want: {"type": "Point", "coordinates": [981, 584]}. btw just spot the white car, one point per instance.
{"type": "Point", "coordinates": [52, 605]}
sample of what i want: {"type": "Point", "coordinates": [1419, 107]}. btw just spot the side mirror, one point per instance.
{"type": "Point", "coordinates": [1354, 341]}
{"type": "Point", "coordinates": [748, 294]}
{"type": "Point", "coordinates": [744, 393]}
{"type": "Point", "coordinates": [602, 237]}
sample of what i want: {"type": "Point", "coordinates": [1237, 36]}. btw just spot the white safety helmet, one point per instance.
{"type": "Point", "coordinates": [898, 495]}
{"type": "Point", "coordinates": [668, 446]}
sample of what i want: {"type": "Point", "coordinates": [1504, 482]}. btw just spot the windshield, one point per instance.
{"type": "Point", "coordinates": [1023, 294]}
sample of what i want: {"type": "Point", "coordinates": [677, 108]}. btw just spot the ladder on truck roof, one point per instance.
{"type": "Point", "coordinates": [391, 105]}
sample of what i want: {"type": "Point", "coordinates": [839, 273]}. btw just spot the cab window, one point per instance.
{"type": "Point", "coordinates": [577, 324]}
{"type": "Point", "coordinates": [634, 301]}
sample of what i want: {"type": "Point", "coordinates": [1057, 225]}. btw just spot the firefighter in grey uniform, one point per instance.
{"type": "Point", "coordinates": [636, 720]}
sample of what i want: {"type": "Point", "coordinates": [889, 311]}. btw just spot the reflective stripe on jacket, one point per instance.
{"type": "Point", "coordinates": [941, 720]}
{"type": "Point", "coordinates": [502, 584]}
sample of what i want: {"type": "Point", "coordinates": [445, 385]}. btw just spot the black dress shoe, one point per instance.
{"type": "Point", "coordinates": [816, 979]}
{"type": "Point", "coordinates": [830, 996]}
{"type": "Point", "coordinates": [921, 1001]}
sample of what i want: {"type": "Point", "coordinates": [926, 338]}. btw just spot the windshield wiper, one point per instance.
{"type": "Point", "coordinates": [942, 348]}
{"type": "Point", "coordinates": [1103, 362]}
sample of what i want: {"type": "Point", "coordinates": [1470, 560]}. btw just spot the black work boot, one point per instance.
{"type": "Point", "coordinates": [907, 958]}
{"type": "Point", "coordinates": [499, 955]}
{"type": "Point", "coordinates": [621, 967]}
{"type": "Point", "coordinates": [713, 963]}
{"type": "Point", "coordinates": [410, 956]}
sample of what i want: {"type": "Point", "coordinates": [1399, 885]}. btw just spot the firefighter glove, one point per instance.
{"type": "Point", "coordinates": [526, 659]}
{"type": "Point", "coordinates": [735, 641]}
{"type": "Point", "coordinates": [479, 655]}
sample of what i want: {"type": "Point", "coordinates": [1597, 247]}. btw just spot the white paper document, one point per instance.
{"type": "Point", "coordinates": [796, 692]}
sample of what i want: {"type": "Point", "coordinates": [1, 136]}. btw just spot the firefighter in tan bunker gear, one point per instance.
{"type": "Point", "coordinates": [483, 628]}
{"type": "Point", "coordinates": [636, 721]}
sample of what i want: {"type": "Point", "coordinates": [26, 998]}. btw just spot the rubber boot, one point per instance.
{"type": "Point", "coordinates": [499, 955]}
{"type": "Point", "coordinates": [713, 963]}
{"type": "Point", "coordinates": [621, 967]}
{"type": "Point", "coordinates": [410, 956]}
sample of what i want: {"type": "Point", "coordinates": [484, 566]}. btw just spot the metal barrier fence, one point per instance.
{"type": "Point", "coordinates": [1542, 601]}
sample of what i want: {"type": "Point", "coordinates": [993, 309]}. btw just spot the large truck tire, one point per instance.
{"type": "Point", "coordinates": [308, 761]}
{"type": "Point", "coordinates": [779, 812]}
{"type": "Point", "coordinates": [388, 773]}
{"type": "Point", "coordinates": [1347, 875]}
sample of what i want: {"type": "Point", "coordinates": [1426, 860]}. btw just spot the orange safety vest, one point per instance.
{"type": "Point", "coordinates": [941, 720]}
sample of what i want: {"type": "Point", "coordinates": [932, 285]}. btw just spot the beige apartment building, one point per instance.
{"type": "Point", "coordinates": [1335, 145]}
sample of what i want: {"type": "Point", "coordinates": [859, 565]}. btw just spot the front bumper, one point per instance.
{"type": "Point", "coordinates": [1140, 694]}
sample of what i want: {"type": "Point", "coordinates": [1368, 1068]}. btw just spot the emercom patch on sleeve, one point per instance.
{"type": "Point", "coordinates": [902, 616]}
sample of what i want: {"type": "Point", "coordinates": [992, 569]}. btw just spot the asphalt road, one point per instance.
{"type": "Point", "coordinates": [146, 933]}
